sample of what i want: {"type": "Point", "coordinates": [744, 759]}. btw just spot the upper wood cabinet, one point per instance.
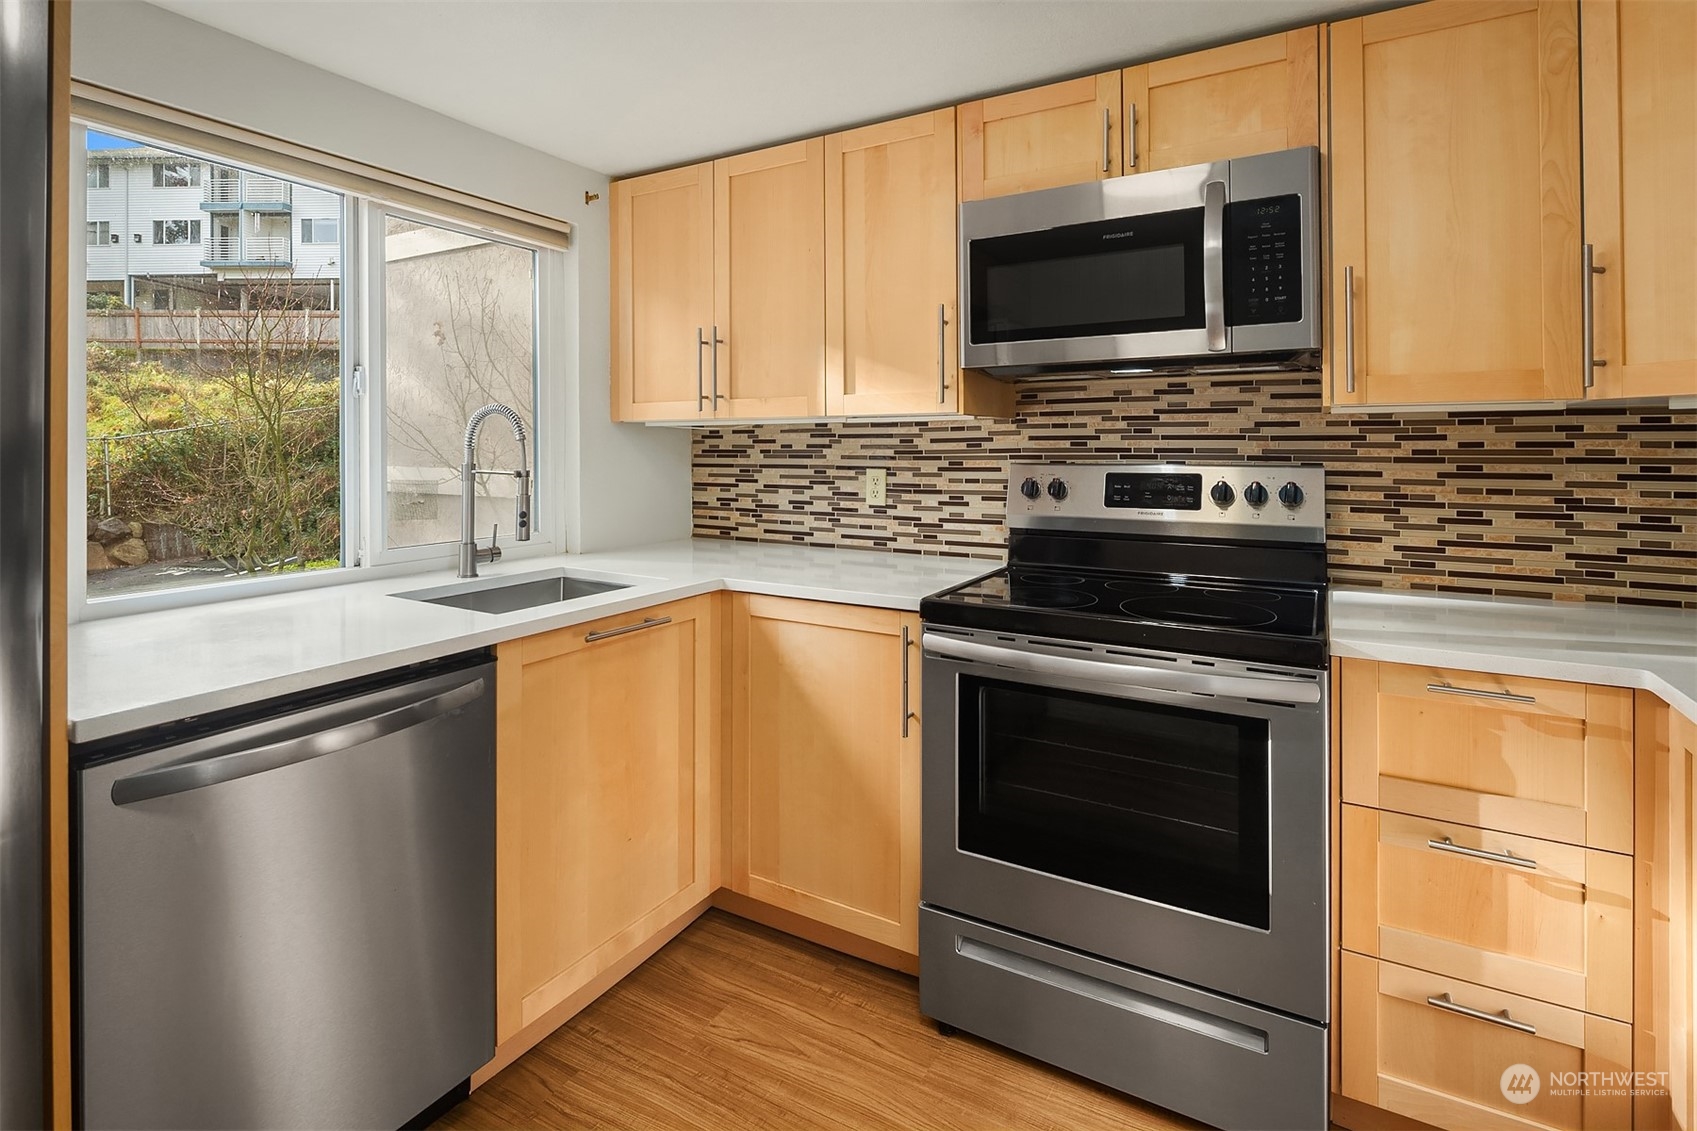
{"type": "Point", "coordinates": [769, 282]}
{"type": "Point", "coordinates": [891, 344]}
{"type": "Point", "coordinates": [1640, 121]}
{"type": "Point", "coordinates": [1258, 96]}
{"type": "Point", "coordinates": [824, 759]}
{"type": "Point", "coordinates": [662, 296]}
{"type": "Point", "coordinates": [1065, 133]}
{"type": "Point", "coordinates": [604, 798]}
{"type": "Point", "coordinates": [1455, 201]}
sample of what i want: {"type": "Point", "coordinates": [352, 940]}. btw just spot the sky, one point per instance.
{"type": "Point", "coordinates": [98, 140]}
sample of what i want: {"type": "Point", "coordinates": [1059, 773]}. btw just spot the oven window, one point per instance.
{"type": "Point", "coordinates": [1165, 803]}
{"type": "Point", "coordinates": [1131, 275]}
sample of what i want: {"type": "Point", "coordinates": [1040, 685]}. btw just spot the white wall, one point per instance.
{"type": "Point", "coordinates": [626, 484]}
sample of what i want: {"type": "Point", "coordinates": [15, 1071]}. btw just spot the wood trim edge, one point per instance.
{"type": "Point", "coordinates": [833, 938]}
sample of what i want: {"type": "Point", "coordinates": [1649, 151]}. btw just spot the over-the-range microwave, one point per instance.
{"type": "Point", "coordinates": [1208, 267]}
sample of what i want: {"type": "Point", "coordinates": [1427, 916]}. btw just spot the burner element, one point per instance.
{"type": "Point", "coordinates": [1211, 611]}
{"type": "Point", "coordinates": [1050, 597]}
{"type": "Point", "coordinates": [1024, 578]}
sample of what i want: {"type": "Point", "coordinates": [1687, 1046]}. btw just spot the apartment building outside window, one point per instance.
{"type": "Point", "coordinates": [100, 176]}
{"type": "Point", "coordinates": [322, 230]}
{"type": "Point", "coordinates": [176, 231]}
{"type": "Point", "coordinates": [176, 174]}
{"type": "Point", "coordinates": [99, 233]}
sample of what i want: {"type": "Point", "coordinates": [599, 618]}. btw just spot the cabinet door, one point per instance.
{"type": "Point", "coordinates": [1409, 1048]}
{"type": "Point", "coordinates": [1062, 134]}
{"type": "Point", "coordinates": [825, 764]}
{"type": "Point", "coordinates": [1258, 96]}
{"type": "Point", "coordinates": [662, 293]}
{"type": "Point", "coordinates": [1534, 757]}
{"type": "Point", "coordinates": [1540, 919]}
{"type": "Point", "coordinates": [890, 267]}
{"type": "Point", "coordinates": [1641, 194]}
{"type": "Point", "coordinates": [1455, 204]}
{"type": "Point", "coordinates": [769, 243]}
{"type": "Point", "coordinates": [604, 798]}
{"type": "Point", "coordinates": [1666, 991]}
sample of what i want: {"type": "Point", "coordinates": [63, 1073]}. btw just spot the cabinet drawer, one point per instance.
{"type": "Point", "coordinates": [1534, 757]}
{"type": "Point", "coordinates": [1556, 926]}
{"type": "Point", "coordinates": [1409, 1048]}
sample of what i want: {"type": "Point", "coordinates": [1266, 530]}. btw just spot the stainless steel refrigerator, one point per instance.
{"type": "Point", "coordinates": [25, 126]}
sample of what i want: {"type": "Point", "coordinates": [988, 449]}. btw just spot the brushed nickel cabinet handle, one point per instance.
{"type": "Point", "coordinates": [717, 342]}
{"type": "Point", "coordinates": [650, 622]}
{"type": "Point", "coordinates": [700, 344]}
{"type": "Point", "coordinates": [1349, 329]}
{"type": "Point", "coordinates": [1442, 1001]}
{"type": "Point", "coordinates": [942, 353]}
{"type": "Point", "coordinates": [1107, 140]}
{"type": "Point", "coordinates": [1591, 271]}
{"type": "Point", "coordinates": [1214, 264]}
{"type": "Point", "coordinates": [1479, 693]}
{"type": "Point", "coordinates": [1130, 136]}
{"type": "Point", "coordinates": [907, 645]}
{"type": "Point", "coordinates": [1448, 845]}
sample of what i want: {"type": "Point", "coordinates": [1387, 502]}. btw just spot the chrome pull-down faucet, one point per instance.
{"type": "Point", "coordinates": [470, 555]}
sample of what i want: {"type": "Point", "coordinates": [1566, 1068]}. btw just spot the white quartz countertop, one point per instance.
{"type": "Point", "coordinates": [1616, 645]}
{"type": "Point", "coordinates": [131, 672]}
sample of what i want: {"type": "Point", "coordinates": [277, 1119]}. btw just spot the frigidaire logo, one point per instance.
{"type": "Point", "coordinates": [1117, 235]}
{"type": "Point", "coordinates": [1520, 1084]}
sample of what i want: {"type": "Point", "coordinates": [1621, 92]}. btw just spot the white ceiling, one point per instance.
{"type": "Point", "coordinates": [622, 86]}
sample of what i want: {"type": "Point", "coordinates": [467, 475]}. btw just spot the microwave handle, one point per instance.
{"type": "Point", "coordinates": [1214, 264]}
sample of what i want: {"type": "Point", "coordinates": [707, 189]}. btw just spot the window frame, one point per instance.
{"type": "Point", "coordinates": [547, 516]}
{"type": "Point", "coordinates": [104, 180]}
{"type": "Point", "coordinates": [191, 174]}
{"type": "Point", "coordinates": [100, 233]}
{"type": "Point", "coordinates": [162, 231]}
{"type": "Point", "coordinates": [311, 224]}
{"type": "Point", "coordinates": [364, 556]}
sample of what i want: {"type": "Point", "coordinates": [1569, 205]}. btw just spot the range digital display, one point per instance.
{"type": "Point", "coordinates": [1146, 491]}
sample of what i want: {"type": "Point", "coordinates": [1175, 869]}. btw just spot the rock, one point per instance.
{"type": "Point", "coordinates": [135, 530]}
{"type": "Point", "coordinates": [130, 552]}
{"type": "Point", "coordinates": [97, 559]}
{"type": "Point", "coordinates": [92, 523]}
{"type": "Point", "coordinates": [110, 530]}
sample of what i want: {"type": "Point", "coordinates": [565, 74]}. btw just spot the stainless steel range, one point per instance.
{"type": "Point", "coordinates": [1125, 787]}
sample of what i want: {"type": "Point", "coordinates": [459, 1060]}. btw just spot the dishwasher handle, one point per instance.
{"type": "Point", "coordinates": [180, 777]}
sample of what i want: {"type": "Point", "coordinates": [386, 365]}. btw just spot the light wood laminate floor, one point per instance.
{"type": "Point", "coordinates": [736, 1026]}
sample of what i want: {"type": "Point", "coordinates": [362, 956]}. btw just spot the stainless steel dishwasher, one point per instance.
{"type": "Point", "coordinates": [288, 920]}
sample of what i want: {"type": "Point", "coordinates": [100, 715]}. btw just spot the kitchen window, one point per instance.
{"type": "Point", "coordinates": [176, 231]}
{"type": "Point", "coordinates": [176, 174]}
{"type": "Point", "coordinates": [265, 411]}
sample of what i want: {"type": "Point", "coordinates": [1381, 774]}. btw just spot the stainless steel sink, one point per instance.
{"type": "Point", "coordinates": [510, 594]}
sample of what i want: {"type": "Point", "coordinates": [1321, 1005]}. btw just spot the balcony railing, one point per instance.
{"type": "Point", "coordinates": [249, 249]}
{"type": "Point", "coordinates": [245, 189]}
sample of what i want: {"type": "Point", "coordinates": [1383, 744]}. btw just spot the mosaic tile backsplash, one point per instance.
{"type": "Point", "coordinates": [1596, 504]}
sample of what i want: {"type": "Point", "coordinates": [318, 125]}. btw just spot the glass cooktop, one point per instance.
{"type": "Point", "coordinates": [1199, 615]}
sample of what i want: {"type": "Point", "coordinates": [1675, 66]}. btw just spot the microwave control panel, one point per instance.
{"type": "Point", "coordinates": [1264, 260]}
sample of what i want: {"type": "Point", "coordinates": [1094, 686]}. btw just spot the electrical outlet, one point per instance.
{"type": "Point", "coordinates": [877, 479]}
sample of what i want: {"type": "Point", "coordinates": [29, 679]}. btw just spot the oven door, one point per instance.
{"type": "Point", "coordinates": [1165, 812]}
{"type": "Point", "coordinates": [1126, 268]}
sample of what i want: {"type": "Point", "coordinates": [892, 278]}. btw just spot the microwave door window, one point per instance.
{"type": "Point", "coordinates": [1132, 275]}
{"type": "Point", "coordinates": [1164, 803]}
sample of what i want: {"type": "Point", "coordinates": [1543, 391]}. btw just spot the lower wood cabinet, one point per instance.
{"type": "Point", "coordinates": [824, 761]}
{"type": "Point", "coordinates": [605, 798]}
{"type": "Point", "coordinates": [1440, 1050]}
{"type": "Point", "coordinates": [1540, 919]}
{"type": "Point", "coordinates": [1667, 899]}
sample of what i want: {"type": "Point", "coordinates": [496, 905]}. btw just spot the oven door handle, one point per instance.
{"type": "Point", "coordinates": [1270, 688]}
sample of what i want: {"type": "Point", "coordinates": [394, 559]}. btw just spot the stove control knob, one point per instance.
{"type": "Point", "coordinates": [1031, 488]}
{"type": "Point", "coordinates": [1290, 495]}
{"type": "Point", "coordinates": [1255, 494]}
{"type": "Point", "coordinates": [1057, 489]}
{"type": "Point", "coordinates": [1222, 493]}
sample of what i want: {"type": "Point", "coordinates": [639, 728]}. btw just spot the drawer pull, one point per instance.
{"type": "Point", "coordinates": [651, 622]}
{"type": "Point", "coordinates": [1442, 1001]}
{"type": "Point", "coordinates": [1448, 845]}
{"type": "Point", "coordinates": [1480, 693]}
